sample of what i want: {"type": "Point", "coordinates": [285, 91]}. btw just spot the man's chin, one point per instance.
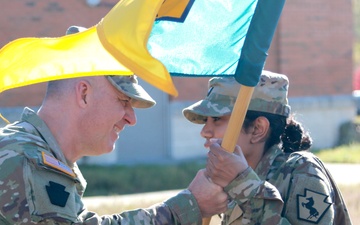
{"type": "Point", "coordinates": [107, 150]}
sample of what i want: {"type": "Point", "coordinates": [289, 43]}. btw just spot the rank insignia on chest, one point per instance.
{"type": "Point", "coordinates": [312, 206]}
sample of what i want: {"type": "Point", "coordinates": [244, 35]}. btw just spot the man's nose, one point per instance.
{"type": "Point", "coordinates": [130, 116]}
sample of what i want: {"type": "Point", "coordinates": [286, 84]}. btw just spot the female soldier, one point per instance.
{"type": "Point", "coordinates": [273, 178]}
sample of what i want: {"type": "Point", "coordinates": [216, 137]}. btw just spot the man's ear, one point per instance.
{"type": "Point", "coordinates": [260, 130]}
{"type": "Point", "coordinates": [82, 89]}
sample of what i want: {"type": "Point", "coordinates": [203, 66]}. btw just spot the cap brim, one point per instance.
{"type": "Point", "coordinates": [139, 97]}
{"type": "Point", "coordinates": [199, 111]}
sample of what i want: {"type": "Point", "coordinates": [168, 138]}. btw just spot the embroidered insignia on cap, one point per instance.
{"type": "Point", "coordinates": [312, 206]}
{"type": "Point", "coordinates": [54, 163]}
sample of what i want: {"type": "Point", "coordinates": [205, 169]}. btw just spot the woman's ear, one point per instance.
{"type": "Point", "coordinates": [260, 130]}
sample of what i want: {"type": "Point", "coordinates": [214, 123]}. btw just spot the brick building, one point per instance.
{"type": "Point", "coordinates": [312, 45]}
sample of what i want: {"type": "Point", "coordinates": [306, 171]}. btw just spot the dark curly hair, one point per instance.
{"type": "Point", "coordinates": [286, 131]}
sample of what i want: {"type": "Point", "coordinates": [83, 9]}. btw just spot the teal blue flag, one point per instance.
{"type": "Point", "coordinates": [217, 38]}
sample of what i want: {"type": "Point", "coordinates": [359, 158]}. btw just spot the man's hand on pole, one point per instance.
{"type": "Point", "coordinates": [210, 197]}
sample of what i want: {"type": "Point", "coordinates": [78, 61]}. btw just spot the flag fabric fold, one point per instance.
{"type": "Point", "coordinates": [207, 42]}
{"type": "Point", "coordinates": [117, 45]}
{"type": "Point", "coordinates": [258, 40]}
{"type": "Point", "coordinates": [218, 38]}
{"type": "Point", "coordinates": [153, 39]}
{"type": "Point", "coordinates": [27, 61]}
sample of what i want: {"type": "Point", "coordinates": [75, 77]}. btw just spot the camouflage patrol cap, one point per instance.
{"type": "Point", "coordinates": [130, 87]}
{"type": "Point", "coordinates": [270, 95]}
{"type": "Point", "coordinates": [125, 84]}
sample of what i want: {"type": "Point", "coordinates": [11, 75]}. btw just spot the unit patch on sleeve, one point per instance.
{"type": "Point", "coordinates": [57, 194]}
{"type": "Point", "coordinates": [312, 206]}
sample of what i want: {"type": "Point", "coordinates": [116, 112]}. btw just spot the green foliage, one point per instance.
{"type": "Point", "coordinates": [349, 132]}
{"type": "Point", "coordinates": [119, 180]}
{"type": "Point", "coordinates": [342, 154]}
{"type": "Point", "coordinates": [114, 180]}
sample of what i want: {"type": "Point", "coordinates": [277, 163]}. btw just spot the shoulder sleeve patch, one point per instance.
{"type": "Point", "coordinates": [56, 164]}
{"type": "Point", "coordinates": [57, 194]}
{"type": "Point", "coordinates": [312, 206]}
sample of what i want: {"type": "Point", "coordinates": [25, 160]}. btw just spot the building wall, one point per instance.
{"type": "Point", "coordinates": [315, 49]}
{"type": "Point", "coordinates": [313, 46]}
{"type": "Point", "coordinates": [323, 116]}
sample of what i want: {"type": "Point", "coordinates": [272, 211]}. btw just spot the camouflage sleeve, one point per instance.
{"type": "Point", "coordinates": [307, 197]}
{"type": "Point", "coordinates": [12, 193]}
{"type": "Point", "coordinates": [32, 192]}
{"type": "Point", "coordinates": [180, 209]}
{"type": "Point", "coordinates": [259, 201]}
{"type": "Point", "coordinates": [311, 197]}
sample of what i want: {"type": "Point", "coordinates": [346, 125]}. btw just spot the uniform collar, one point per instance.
{"type": "Point", "coordinates": [31, 117]}
{"type": "Point", "coordinates": [266, 161]}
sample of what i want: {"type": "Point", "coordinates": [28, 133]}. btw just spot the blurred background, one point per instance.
{"type": "Point", "coordinates": [316, 44]}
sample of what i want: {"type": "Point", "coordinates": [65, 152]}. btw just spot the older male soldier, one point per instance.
{"type": "Point", "coordinates": [40, 182]}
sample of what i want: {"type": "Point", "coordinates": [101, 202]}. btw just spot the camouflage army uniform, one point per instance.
{"type": "Point", "coordinates": [286, 189]}
{"type": "Point", "coordinates": [38, 186]}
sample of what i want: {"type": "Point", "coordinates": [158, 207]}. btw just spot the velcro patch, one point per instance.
{"type": "Point", "coordinates": [312, 206]}
{"type": "Point", "coordinates": [56, 164]}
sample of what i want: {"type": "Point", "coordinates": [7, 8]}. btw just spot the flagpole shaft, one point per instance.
{"type": "Point", "coordinates": [235, 124]}
{"type": "Point", "coordinates": [237, 118]}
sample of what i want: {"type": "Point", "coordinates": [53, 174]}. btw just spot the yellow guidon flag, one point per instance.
{"type": "Point", "coordinates": [117, 45]}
